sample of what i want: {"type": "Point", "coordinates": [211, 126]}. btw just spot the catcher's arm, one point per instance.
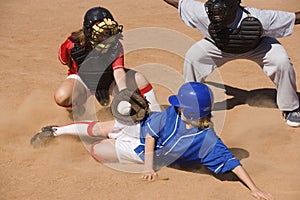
{"type": "Point", "coordinates": [120, 78]}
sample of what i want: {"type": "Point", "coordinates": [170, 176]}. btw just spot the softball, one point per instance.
{"type": "Point", "coordinates": [124, 107]}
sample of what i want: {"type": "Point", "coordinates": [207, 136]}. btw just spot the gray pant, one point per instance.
{"type": "Point", "coordinates": [203, 57]}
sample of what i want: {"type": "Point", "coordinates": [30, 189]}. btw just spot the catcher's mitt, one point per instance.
{"type": "Point", "coordinates": [129, 106]}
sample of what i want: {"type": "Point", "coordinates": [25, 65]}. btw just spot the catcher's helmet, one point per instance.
{"type": "Point", "coordinates": [218, 10]}
{"type": "Point", "coordinates": [99, 21]}
{"type": "Point", "coordinates": [93, 15]}
{"type": "Point", "coordinates": [195, 98]}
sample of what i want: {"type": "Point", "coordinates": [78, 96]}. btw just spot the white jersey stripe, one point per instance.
{"type": "Point", "coordinates": [223, 164]}
{"type": "Point", "coordinates": [185, 136]}
{"type": "Point", "coordinates": [175, 128]}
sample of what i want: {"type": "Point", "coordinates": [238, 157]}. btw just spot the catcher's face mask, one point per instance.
{"type": "Point", "coordinates": [103, 30]}
{"type": "Point", "coordinates": [219, 10]}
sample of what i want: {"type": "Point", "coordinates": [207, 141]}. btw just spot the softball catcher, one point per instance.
{"type": "Point", "coordinates": [95, 59]}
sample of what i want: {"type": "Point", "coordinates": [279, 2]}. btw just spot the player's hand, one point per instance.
{"type": "Point", "coordinates": [150, 175]}
{"type": "Point", "coordinates": [257, 193]}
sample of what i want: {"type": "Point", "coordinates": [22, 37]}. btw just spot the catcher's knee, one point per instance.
{"type": "Point", "coordinates": [63, 99]}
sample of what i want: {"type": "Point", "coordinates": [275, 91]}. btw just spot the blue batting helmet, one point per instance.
{"type": "Point", "coordinates": [196, 99]}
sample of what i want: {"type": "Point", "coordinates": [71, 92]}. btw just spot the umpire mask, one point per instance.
{"type": "Point", "coordinates": [218, 11]}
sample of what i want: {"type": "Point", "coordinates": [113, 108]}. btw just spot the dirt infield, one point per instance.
{"type": "Point", "coordinates": [31, 33]}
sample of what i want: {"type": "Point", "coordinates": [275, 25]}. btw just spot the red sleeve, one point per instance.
{"type": "Point", "coordinates": [119, 62]}
{"type": "Point", "coordinates": [64, 55]}
{"type": "Point", "coordinates": [64, 51]}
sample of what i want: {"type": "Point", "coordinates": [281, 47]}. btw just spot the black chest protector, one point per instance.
{"type": "Point", "coordinates": [245, 38]}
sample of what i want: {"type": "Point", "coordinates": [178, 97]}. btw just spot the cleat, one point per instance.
{"type": "Point", "coordinates": [49, 128]}
{"type": "Point", "coordinates": [292, 118]}
{"type": "Point", "coordinates": [43, 137]}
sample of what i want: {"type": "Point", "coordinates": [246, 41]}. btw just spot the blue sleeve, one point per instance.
{"type": "Point", "coordinates": [220, 159]}
{"type": "Point", "coordinates": [155, 123]}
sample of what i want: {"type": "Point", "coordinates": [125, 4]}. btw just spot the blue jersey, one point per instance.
{"type": "Point", "coordinates": [175, 144]}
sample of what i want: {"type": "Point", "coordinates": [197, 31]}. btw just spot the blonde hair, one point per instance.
{"type": "Point", "coordinates": [79, 36]}
{"type": "Point", "coordinates": [203, 123]}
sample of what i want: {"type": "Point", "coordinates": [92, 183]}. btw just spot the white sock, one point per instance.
{"type": "Point", "coordinates": [151, 97]}
{"type": "Point", "coordinates": [83, 128]}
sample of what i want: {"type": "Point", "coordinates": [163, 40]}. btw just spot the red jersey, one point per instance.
{"type": "Point", "coordinates": [64, 56]}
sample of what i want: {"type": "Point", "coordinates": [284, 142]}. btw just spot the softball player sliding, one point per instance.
{"type": "Point", "coordinates": [100, 33]}
{"type": "Point", "coordinates": [181, 135]}
{"type": "Point", "coordinates": [231, 32]}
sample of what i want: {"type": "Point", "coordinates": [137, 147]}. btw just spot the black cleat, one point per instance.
{"type": "Point", "coordinates": [292, 118]}
{"type": "Point", "coordinates": [43, 137]}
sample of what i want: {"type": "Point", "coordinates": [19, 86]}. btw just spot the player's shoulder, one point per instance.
{"type": "Point", "coordinates": [256, 12]}
{"type": "Point", "coordinates": [190, 4]}
{"type": "Point", "coordinates": [264, 13]}
{"type": "Point", "coordinates": [69, 42]}
{"type": "Point", "coordinates": [156, 115]}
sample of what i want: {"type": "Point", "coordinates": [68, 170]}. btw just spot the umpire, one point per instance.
{"type": "Point", "coordinates": [233, 31]}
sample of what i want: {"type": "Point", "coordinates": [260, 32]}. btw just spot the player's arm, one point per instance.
{"type": "Point", "coordinates": [256, 192]}
{"type": "Point", "coordinates": [297, 20]}
{"type": "Point", "coordinates": [119, 71]}
{"type": "Point", "coordinates": [173, 3]}
{"type": "Point", "coordinates": [64, 52]}
{"type": "Point", "coordinates": [149, 173]}
{"type": "Point", "coordinates": [119, 75]}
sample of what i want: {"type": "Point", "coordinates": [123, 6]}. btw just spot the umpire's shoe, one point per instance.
{"type": "Point", "coordinates": [292, 118]}
{"type": "Point", "coordinates": [43, 137]}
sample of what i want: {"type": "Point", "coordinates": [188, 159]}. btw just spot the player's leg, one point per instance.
{"type": "Point", "coordinates": [63, 95]}
{"type": "Point", "coordinates": [71, 92]}
{"type": "Point", "coordinates": [104, 151]}
{"type": "Point", "coordinates": [276, 64]}
{"type": "Point", "coordinates": [147, 91]}
{"type": "Point", "coordinates": [201, 59]}
{"type": "Point", "coordinates": [83, 128]}
{"type": "Point", "coordinates": [121, 146]}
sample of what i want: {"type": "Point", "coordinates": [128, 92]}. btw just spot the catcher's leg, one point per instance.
{"type": "Point", "coordinates": [147, 91]}
{"type": "Point", "coordinates": [72, 92]}
{"type": "Point", "coordinates": [201, 60]}
{"type": "Point", "coordinates": [63, 95]}
{"type": "Point", "coordinates": [277, 66]}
